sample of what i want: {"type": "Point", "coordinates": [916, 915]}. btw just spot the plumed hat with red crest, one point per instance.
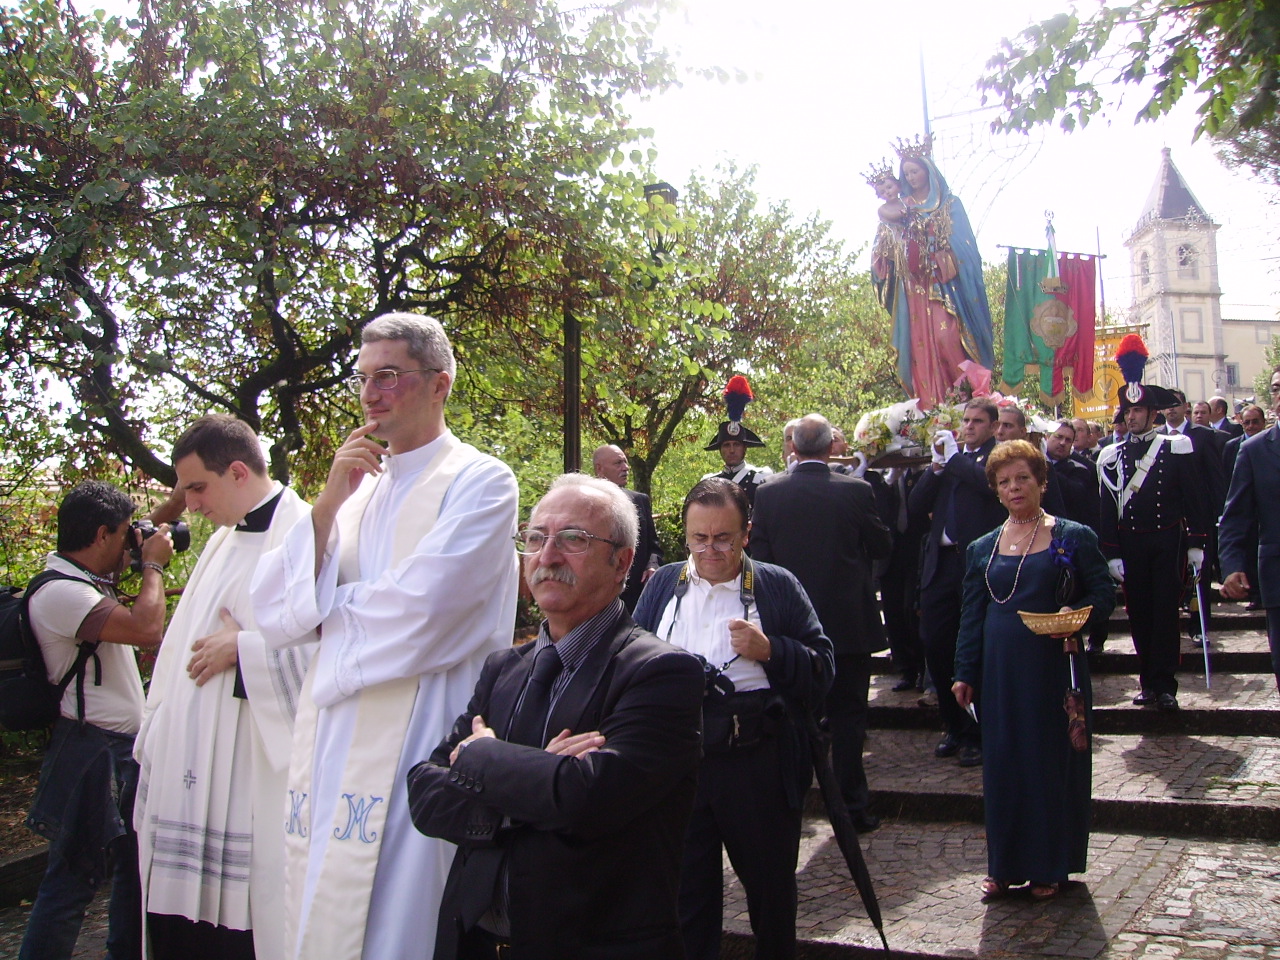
{"type": "Point", "coordinates": [737, 394]}
{"type": "Point", "coordinates": [1132, 359]}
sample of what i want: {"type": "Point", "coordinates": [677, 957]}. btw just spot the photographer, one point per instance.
{"type": "Point", "coordinates": [84, 804]}
{"type": "Point", "coordinates": [768, 663]}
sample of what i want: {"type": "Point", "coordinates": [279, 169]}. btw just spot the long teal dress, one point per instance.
{"type": "Point", "coordinates": [1036, 788]}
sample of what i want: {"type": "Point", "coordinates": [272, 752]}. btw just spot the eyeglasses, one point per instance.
{"type": "Point", "coordinates": [570, 542]}
{"type": "Point", "coordinates": [719, 544]}
{"type": "Point", "coordinates": [382, 379]}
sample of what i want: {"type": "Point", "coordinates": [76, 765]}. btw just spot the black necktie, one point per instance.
{"type": "Point", "coordinates": [530, 722]}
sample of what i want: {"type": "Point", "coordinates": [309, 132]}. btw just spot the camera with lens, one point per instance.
{"type": "Point", "coordinates": [141, 530]}
{"type": "Point", "coordinates": [717, 684]}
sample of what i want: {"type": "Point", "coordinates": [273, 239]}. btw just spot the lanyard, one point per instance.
{"type": "Point", "coordinates": [746, 594]}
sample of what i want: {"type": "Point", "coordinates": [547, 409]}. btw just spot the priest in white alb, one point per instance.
{"type": "Point", "coordinates": [217, 731]}
{"type": "Point", "coordinates": [407, 567]}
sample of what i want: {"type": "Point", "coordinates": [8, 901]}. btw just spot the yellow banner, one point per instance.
{"type": "Point", "coordinates": [1100, 403]}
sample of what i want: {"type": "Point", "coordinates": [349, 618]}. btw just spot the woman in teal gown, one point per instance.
{"type": "Point", "coordinates": [1036, 786]}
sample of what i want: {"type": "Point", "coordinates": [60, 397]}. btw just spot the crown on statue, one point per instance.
{"type": "Point", "coordinates": [917, 148]}
{"type": "Point", "coordinates": [878, 172]}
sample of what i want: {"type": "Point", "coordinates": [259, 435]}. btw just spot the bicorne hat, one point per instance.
{"type": "Point", "coordinates": [1132, 358]}
{"type": "Point", "coordinates": [737, 394]}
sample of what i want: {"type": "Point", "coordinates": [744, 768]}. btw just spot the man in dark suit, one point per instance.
{"type": "Point", "coordinates": [1253, 420]}
{"type": "Point", "coordinates": [568, 781]}
{"type": "Point", "coordinates": [1207, 445]}
{"type": "Point", "coordinates": [954, 492]}
{"type": "Point", "coordinates": [1219, 420]}
{"type": "Point", "coordinates": [753, 623]}
{"type": "Point", "coordinates": [1011, 424]}
{"type": "Point", "coordinates": [1076, 475]}
{"type": "Point", "coordinates": [824, 528]}
{"type": "Point", "coordinates": [1118, 432]}
{"type": "Point", "coordinates": [1255, 490]}
{"type": "Point", "coordinates": [611, 464]}
{"type": "Point", "coordinates": [900, 580]}
{"type": "Point", "coordinates": [1086, 442]}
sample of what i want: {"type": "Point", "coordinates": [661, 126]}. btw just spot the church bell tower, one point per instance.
{"type": "Point", "coordinates": [1173, 257]}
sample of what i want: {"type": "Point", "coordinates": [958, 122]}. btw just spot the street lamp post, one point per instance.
{"type": "Point", "coordinates": [572, 391]}
{"type": "Point", "coordinates": [573, 343]}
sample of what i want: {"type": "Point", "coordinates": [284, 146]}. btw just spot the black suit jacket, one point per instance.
{"type": "Point", "coordinates": [1078, 480]}
{"type": "Point", "coordinates": [592, 845]}
{"type": "Point", "coordinates": [1229, 454]}
{"type": "Point", "coordinates": [1230, 428]}
{"type": "Point", "coordinates": [1255, 491]}
{"type": "Point", "coordinates": [646, 546]}
{"type": "Point", "coordinates": [825, 529]}
{"type": "Point", "coordinates": [1208, 445]}
{"type": "Point", "coordinates": [961, 485]}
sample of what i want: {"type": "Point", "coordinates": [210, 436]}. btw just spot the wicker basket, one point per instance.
{"type": "Point", "coordinates": [1050, 623]}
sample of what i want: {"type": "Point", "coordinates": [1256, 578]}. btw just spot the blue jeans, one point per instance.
{"type": "Point", "coordinates": [102, 766]}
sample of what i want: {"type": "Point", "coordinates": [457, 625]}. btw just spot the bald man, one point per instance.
{"type": "Point", "coordinates": [610, 463]}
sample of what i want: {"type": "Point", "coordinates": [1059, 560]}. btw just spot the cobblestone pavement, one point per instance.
{"type": "Point", "coordinates": [1141, 897]}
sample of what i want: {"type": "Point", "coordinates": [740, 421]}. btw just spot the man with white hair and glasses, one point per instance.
{"type": "Point", "coordinates": [567, 781]}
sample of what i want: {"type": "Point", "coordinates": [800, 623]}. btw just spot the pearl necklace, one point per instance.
{"type": "Point", "coordinates": [1026, 542]}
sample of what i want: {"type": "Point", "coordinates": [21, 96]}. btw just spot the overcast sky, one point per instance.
{"type": "Point", "coordinates": [831, 84]}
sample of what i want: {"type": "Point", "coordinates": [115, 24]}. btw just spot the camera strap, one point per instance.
{"type": "Point", "coordinates": [746, 594]}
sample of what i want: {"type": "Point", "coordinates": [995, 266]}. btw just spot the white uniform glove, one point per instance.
{"type": "Point", "coordinates": [860, 470]}
{"type": "Point", "coordinates": [1117, 569]}
{"type": "Point", "coordinates": [944, 446]}
{"type": "Point", "coordinates": [1195, 557]}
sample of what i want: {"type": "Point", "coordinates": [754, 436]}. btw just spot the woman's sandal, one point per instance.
{"type": "Point", "coordinates": [1043, 891]}
{"type": "Point", "coordinates": [993, 888]}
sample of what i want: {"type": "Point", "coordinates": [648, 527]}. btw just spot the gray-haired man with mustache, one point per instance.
{"type": "Point", "coordinates": [569, 780]}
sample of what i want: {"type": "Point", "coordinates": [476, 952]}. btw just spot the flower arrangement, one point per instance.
{"type": "Point", "coordinates": [891, 429]}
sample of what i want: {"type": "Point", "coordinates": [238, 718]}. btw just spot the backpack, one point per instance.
{"type": "Point", "coordinates": [28, 701]}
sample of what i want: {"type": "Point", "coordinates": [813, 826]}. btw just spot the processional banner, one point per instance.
{"type": "Point", "coordinates": [1049, 320]}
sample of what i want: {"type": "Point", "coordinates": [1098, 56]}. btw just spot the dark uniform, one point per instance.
{"type": "Point", "coordinates": [1164, 516]}
{"type": "Point", "coordinates": [744, 475]}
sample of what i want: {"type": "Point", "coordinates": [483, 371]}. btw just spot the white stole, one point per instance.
{"type": "Point", "coordinates": [336, 920]}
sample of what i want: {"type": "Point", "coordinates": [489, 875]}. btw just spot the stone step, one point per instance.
{"type": "Point", "coordinates": [1221, 787]}
{"type": "Point", "coordinates": [1140, 897]}
{"type": "Point", "coordinates": [1231, 648]}
{"type": "Point", "coordinates": [1226, 615]}
{"type": "Point", "coordinates": [1246, 704]}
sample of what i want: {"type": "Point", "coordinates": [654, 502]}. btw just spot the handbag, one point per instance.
{"type": "Point", "coordinates": [1067, 593]}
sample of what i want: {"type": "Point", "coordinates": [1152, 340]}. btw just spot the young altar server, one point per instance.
{"type": "Point", "coordinates": [218, 726]}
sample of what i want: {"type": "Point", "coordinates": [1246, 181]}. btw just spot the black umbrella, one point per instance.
{"type": "Point", "coordinates": [842, 825]}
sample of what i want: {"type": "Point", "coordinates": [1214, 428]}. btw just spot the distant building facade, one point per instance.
{"type": "Point", "coordinates": [1177, 301]}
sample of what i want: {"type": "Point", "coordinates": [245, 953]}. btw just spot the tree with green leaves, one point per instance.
{"type": "Point", "coordinates": [751, 289]}
{"type": "Point", "coordinates": [1226, 52]}
{"type": "Point", "coordinates": [202, 204]}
